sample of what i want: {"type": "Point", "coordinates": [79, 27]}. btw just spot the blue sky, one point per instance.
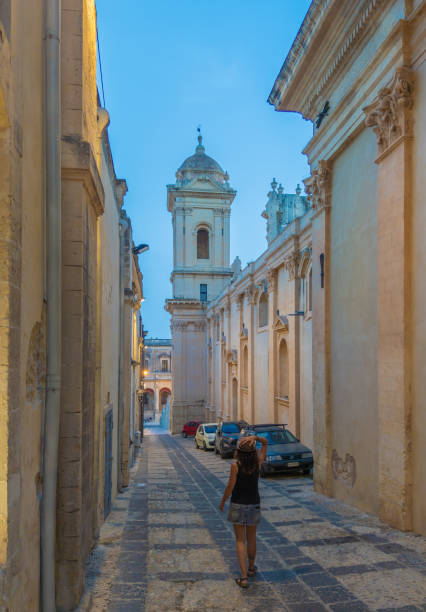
{"type": "Point", "coordinates": [170, 65]}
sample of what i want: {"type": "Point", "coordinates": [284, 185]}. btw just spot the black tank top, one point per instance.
{"type": "Point", "coordinates": [246, 488]}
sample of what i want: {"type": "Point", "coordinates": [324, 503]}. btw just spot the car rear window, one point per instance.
{"type": "Point", "coordinates": [230, 428]}
{"type": "Point", "coordinates": [210, 428]}
{"type": "Point", "coordinates": [278, 437]}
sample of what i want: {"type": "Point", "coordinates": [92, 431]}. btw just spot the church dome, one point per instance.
{"type": "Point", "coordinates": [200, 163]}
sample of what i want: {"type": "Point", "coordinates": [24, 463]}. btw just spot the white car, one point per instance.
{"type": "Point", "coordinates": [204, 438]}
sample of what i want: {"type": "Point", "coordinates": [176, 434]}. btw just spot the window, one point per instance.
{"type": "Point", "coordinates": [245, 366]}
{"type": "Point", "coordinates": [230, 428]}
{"type": "Point", "coordinates": [146, 366]}
{"type": "Point", "coordinates": [310, 291]}
{"type": "Point", "coordinates": [202, 244]}
{"type": "Point", "coordinates": [263, 310]}
{"type": "Point", "coordinates": [203, 292]}
{"type": "Point", "coordinates": [322, 269]}
{"type": "Point", "coordinates": [283, 369]}
{"type": "Point", "coordinates": [164, 365]}
{"type": "Point", "coordinates": [217, 328]}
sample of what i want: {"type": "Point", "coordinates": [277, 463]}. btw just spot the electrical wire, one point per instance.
{"type": "Point", "coordinates": [100, 62]}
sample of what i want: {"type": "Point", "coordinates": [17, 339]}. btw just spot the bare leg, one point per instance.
{"type": "Point", "coordinates": [240, 537]}
{"type": "Point", "coordinates": [251, 545]}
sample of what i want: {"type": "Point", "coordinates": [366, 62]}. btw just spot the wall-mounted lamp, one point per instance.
{"type": "Point", "coordinates": [141, 248]}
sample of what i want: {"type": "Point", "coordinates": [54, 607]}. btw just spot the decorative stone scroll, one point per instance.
{"type": "Point", "coordinates": [291, 264]}
{"type": "Point", "coordinates": [390, 114]}
{"type": "Point", "coordinates": [318, 185]}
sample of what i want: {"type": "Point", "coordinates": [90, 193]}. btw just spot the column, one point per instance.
{"type": "Point", "coordinates": [217, 249]}
{"type": "Point", "coordinates": [390, 117]}
{"type": "Point", "coordinates": [292, 265]}
{"type": "Point", "coordinates": [213, 363]}
{"type": "Point", "coordinates": [251, 346]}
{"type": "Point", "coordinates": [272, 275]}
{"type": "Point", "coordinates": [156, 402]}
{"type": "Point", "coordinates": [318, 190]}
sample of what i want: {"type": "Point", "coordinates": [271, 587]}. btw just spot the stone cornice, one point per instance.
{"type": "Point", "coordinates": [310, 45]}
{"type": "Point", "coordinates": [303, 38]}
{"type": "Point", "coordinates": [78, 164]}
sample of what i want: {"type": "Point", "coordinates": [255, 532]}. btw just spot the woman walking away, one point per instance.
{"type": "Point", "coordinates": [244, 509]}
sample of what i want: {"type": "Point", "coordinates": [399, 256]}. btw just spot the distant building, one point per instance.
{"type": "Point", "coordinates": [157, 376]}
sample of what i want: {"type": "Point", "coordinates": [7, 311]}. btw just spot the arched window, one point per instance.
{"type": "Point", "coordinates": [245, 366]}
{"type": "Point", "coordinates": [283, 369]}
{"type": "Point", "coordinates": [263, 310]}
{"type": "Point", "coordinates": [202, 244]}
{"type": "Point", "coordinates": [310, 291]}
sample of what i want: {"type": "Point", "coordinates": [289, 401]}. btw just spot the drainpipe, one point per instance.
{"type": "Point", "coordinates": [121, 387]}
{"type": "Point", "coordinates": [52, 124]}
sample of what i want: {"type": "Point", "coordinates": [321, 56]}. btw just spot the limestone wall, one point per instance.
{"type": "Point", "coordinates": [417, 262]}
{"type": "Point", "coordinates": [110, 262]}
{"type": "Point", "coordinates": [353, 318]}
{"type": "Point", "coordinates": [22, 310]}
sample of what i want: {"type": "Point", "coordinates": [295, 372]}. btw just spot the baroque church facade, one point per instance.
{"type": "Point", "coordinates": [325, 331]}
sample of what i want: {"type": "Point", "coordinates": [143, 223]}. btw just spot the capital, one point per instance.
{"type": "Point", "coordinates": [318, 186]}
{"type": "Point", "coordinates": [390, 115]}
{"type": "Point", "coordinates": [271, 277]}
{"type": "Point", "coordinates": [291, 265]}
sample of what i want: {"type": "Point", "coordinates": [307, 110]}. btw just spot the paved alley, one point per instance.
{"type": "Point", "coordinates": [166, 546]}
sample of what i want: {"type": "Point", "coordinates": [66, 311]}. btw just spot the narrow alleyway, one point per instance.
{"type": "Point", "coordinates": [166, 546]}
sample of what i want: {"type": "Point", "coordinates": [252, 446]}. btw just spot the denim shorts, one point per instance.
{"type": "Point", "coordinates": [244, 514]}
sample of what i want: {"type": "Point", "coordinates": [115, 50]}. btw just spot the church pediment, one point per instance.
{"type": "Point", "coordinates": [281, 323]}
{"type": "Point", "coordinates": [205, 183]}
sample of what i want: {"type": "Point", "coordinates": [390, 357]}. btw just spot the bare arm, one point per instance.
{"type": "Point", "coordinates": [230, 486]}
{"type": "Point", "coordinates": [262, 453]}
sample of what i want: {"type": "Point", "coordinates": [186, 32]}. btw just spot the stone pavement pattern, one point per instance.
{"type": "Point", "coordinates": [166, 546]}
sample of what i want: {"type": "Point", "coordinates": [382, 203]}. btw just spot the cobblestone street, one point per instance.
{"type": "Point", "coordinates": [166, 546]}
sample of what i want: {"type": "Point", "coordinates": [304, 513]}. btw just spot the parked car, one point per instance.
{"type": "Point", "coordinates": [190, 428]}
{"type": "Point", "coordinates": [204, 438]}
{"type": "Point", "coordinates": [227, 434]}
{"type": "Point", "coordinates": [285, 452]}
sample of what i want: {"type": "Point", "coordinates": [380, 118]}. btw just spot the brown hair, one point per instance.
{"type": "Point", "coordinates": [247, 461]}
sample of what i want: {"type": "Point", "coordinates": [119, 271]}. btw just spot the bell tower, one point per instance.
{"type": "Point", "coordinates": [200, 202]}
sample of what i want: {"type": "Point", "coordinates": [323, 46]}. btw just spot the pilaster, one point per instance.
{"type": "Point", "coordinates": [318, 187]}
{"type": "Point", "coordinates": [251, 348]}
{"type": "Point", "coordinates": [272, 277]}
{"type": "Point", "coordinates": [390, 117]}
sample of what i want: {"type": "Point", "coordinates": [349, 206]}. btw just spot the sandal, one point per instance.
{"type": "Point", "coordinates": [242, 582]}
{"type": "Point", "coordinates": [252, 571]}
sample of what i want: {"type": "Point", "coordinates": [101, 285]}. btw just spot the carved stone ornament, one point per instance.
{"type": "Point", "coordinates": [317, 186]}
{"type": "Point", "coordinates": [271, 277]}
{"type": "Point", "coordinates": [251, 295]}
{"type": "Point", "coordinates": [291, 264]}
{"type": "Point", "coordinates": [344, 469]}
{"type": "Point", "coordinates": [390, 114]}
{"type": "Point", "coordinates": [179, 325]}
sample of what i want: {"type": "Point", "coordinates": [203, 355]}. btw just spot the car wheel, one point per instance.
{"type": "Point", "coordinates": [216, 452]}
{"type": "Point", "coordinates": [196, 443]}
{"type": "Point", "coordinates": [222, 454]}
{"type": "Point", "coordinates": [184, 434]}
{"type": "Point", "coordinates": [204, 446]}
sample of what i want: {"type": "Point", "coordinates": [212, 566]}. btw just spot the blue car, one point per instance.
{"type": "Point", "coordinates": [285, 452]}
